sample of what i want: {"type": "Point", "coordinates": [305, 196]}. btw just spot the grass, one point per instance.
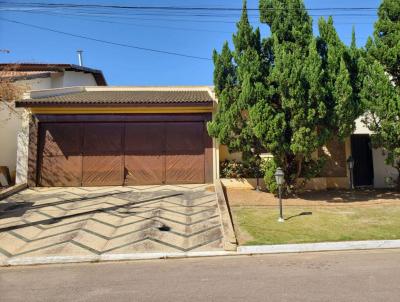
{"type": "Point", "coordinates": [259, 225]}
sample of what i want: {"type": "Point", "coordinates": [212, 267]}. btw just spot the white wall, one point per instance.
{"type": "Point", "coordinates": [10, 124]}
{"type": "Point", "coordinates": [381, 169]}
{"type": "Point", "coordinates": [360, 127]}
{"type": "Point", "coordinates": [73, 78]}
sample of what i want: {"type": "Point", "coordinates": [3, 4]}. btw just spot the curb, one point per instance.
{"type": "Point", "coordinates": [110, 257]}
{"type": "Point", "coordinates": [241, 251]}
{"type": "Point", "coordinates": [228, 232]}
{"type": "Point", "coordinates": [319, 247]}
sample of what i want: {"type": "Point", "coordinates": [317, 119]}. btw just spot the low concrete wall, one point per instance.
{"type": "Point", "coordinates": [317, 184]}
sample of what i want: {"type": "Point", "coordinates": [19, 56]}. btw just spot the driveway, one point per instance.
{"type": "Point", "coordinates": [44, 222]}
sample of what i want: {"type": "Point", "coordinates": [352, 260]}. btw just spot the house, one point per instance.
{"type": "Point", "coordinates": [99, 136]}
{"type": "Point", "coordinates": [32, 76]}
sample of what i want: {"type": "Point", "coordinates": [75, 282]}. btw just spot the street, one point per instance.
{"type": "Point", "coordinates": [335, 276]}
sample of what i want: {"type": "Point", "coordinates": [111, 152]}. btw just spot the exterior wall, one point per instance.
{"type": "Point", "coordinates": [73, 78]}
{"type": "Point", "coordinates": [360, 127]}
{"type": "Point", "coordinates": [382, 171]}
{"type": "Point", "coordinates": [225, 155]}
{"type": "Point", "coordinates": [335, 176]}
{"type": "Point", "coordinates": [335, 153]}
{"type": "Point", "coordinates": [11, 125]}
{"type": "Point", "coordinates": [11, 119]}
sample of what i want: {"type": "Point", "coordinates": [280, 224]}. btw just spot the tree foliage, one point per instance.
{"type": "Point", "coordinates": [9, 90]}
{"type": "Point", "coordinates": [385, 47]}
{"type": "Point", "coordinates": [289, 93]}
{"type": "Point", "coordinates": [238, 78]}
{"type": "Point", "coordinates": [381, 91]}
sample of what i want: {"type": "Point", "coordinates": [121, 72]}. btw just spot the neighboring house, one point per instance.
{"type": "Point", "coordinates": [31, 76]}
{"type": "Point", "coordinates": [97, 136]}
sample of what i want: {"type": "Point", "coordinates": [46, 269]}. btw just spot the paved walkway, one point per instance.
{"type": "Point", "coordinates": [109, 220]}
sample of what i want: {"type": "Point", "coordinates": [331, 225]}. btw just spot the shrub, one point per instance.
{"type": "Point", "coordinates": [268, 167]}
{"type": "Point", "coordinates": [236, 169]}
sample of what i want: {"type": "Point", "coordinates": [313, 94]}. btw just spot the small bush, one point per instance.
{"type": "Point", "coordinates": [236, 169]}
{"type": "Point", "coordinates": [269, 167]}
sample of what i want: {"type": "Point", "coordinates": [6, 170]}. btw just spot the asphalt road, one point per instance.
{"type": "Point", "coordinates": [340, 276]}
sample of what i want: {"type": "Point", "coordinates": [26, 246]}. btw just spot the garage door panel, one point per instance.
{"type": "Point", "coordinates": [59, 171]}
{"type": "Point", "coordinates": [144, 153]}
{"type": "Point", "coordinates": [184, 153]}
{"type": "Point", "coordinates": [184, 169]}
{"type": "Point", "coordinates": [102, 170]}
{"type": "Point", "coordinates": [144, 170]}
{"type": "Point", "coordinates": [103, 138]}
{"type": "Point", "coordinates": [61, 139]}
{"type": "Point", "coordinates": [184, 138]}
{"type": "Point", "coordinates": [144, 138]}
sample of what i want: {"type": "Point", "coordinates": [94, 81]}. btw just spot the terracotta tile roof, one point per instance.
{"type": "Point", "coordinates": [32, 70]}
{"type": "Point", "coordinates": [122, 97]}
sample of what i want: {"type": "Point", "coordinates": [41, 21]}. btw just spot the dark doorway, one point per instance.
{"type": "Point", "coordinates": [363, 165]}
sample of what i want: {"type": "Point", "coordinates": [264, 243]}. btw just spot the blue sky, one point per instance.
{"type": "Point", "coordinates": [193, 35]}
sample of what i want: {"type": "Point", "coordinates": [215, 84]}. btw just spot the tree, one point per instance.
{"type": "Point", "coordinates": [385, 47]}
{"type": "Point", "coordinates": [288, 94]}
{"type": "Point", "coordinates": [341, 78]}
{"type": "Point", "coordinates": [309, 97]}
{"type": "Point", "coordinates": [9, 90]}
{"type": "Point", "coordinates": [381, 91]}
{"type": "Point", "coordinates": [238, 79]}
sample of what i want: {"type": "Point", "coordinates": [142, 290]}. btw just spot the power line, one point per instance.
{"type": "Point", "coordinates": [79, 17]}
{"type": "Point", "coordinates": [104, 41]}
{"type": "Point", "coordinates": [161, 17]}
{"type": "Point", "coordinates": [139, 7]}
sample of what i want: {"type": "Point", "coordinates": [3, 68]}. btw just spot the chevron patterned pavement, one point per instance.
{"type": "Point", "coordinates": [101, 220]}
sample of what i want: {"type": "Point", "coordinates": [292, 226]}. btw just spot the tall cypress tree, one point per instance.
{"type": "Point", "coordinates": [289, 93]}
{"type": "Point", "coordinates": [385, 47]}
{"type": "Point", "coordinates": [238, 83]}
{"type": "Point", "coordinates": [291, 121]}
{"type": "Point", "coordinates": [341, 78]}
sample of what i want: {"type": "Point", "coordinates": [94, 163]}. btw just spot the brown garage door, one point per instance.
{"type": "Point", "coordinates": [99, 154]}
{"type": "Point", "coordinates": [103, 162]}
{"type": "Point", "coordinates": [60, 151]}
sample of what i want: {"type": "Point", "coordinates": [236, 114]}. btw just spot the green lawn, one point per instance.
{"type": "Point", "coordinates": [259, 225]}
